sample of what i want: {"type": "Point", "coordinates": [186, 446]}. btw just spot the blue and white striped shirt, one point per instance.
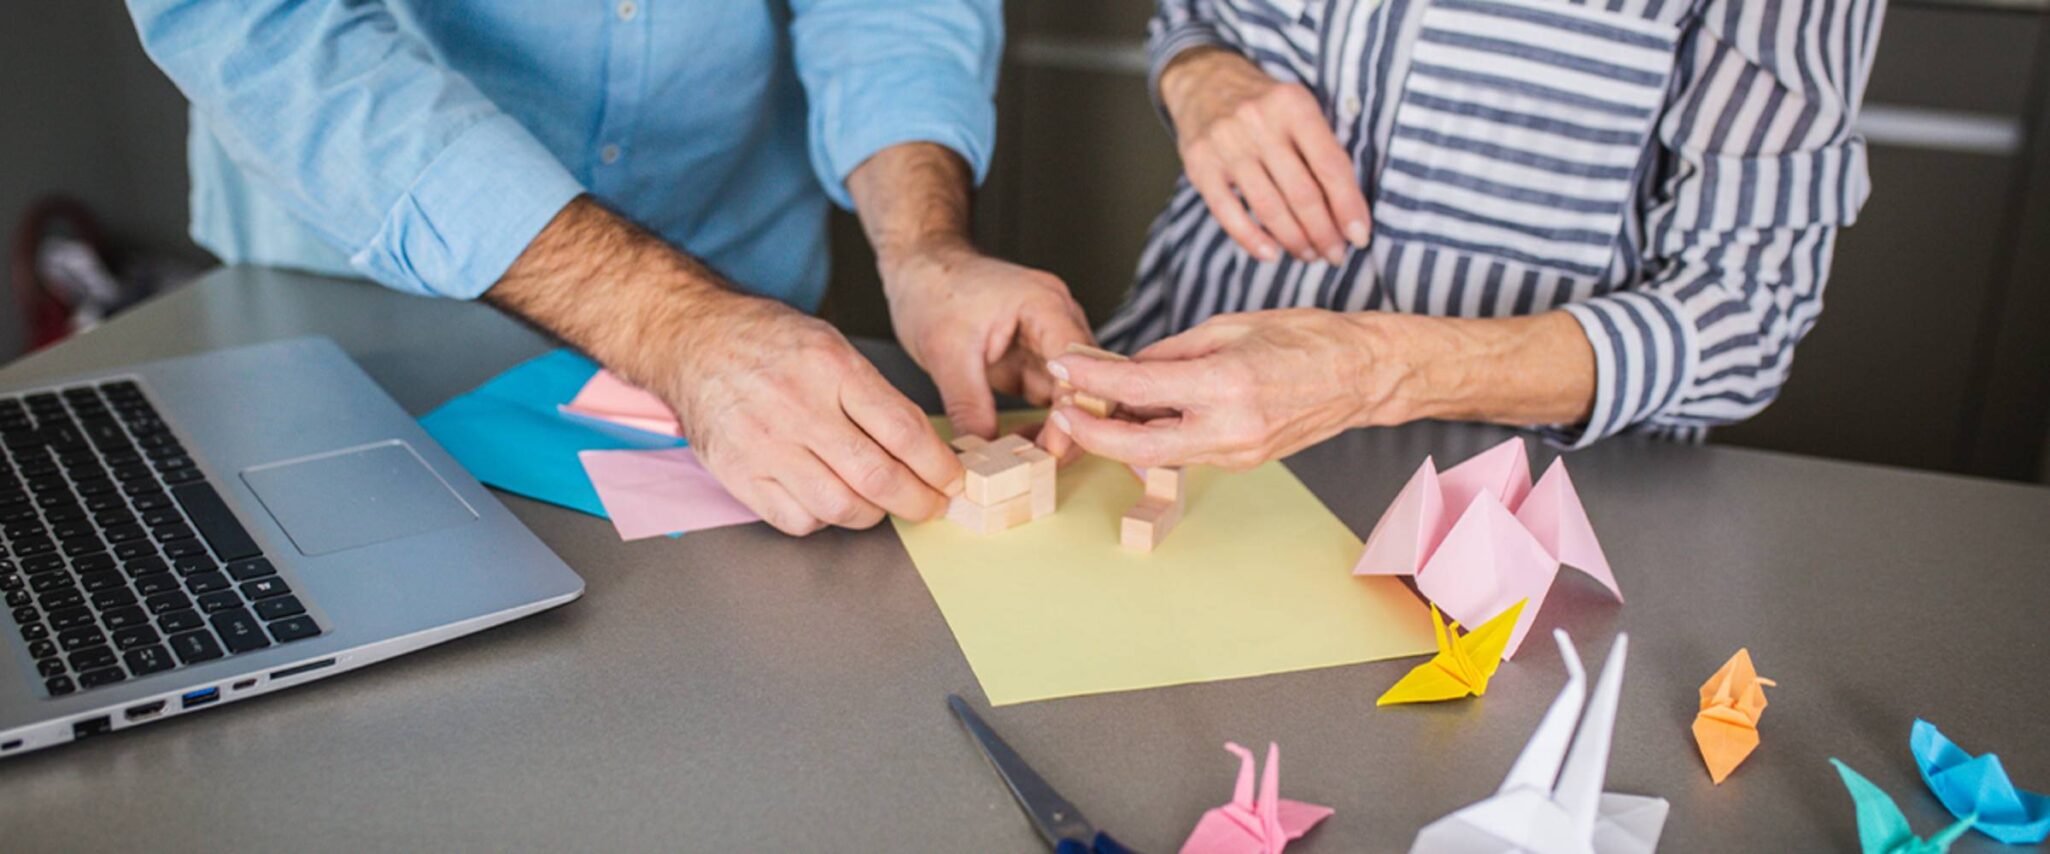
{"type": "Point", "coordinates": [1670, 172]}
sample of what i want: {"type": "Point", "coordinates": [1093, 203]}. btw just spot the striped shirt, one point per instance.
{"type": "Point", "coordinates": [1671, 172]}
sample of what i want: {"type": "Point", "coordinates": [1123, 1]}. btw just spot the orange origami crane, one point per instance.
{"type": "Point", "coordinates": [1463, 663]}
{"type": "Point", "coordinates": [1727, 727]}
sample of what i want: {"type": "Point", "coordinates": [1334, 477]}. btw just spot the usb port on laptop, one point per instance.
{"type": "Point", "coordinates": [200, 697]}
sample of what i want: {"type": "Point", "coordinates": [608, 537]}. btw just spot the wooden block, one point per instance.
{"type": "Point", "coordinates": [1147, 523]}
{"type": "Point", "coordinates": [1097, 406]}
{"type": "Point", "coordinates": [989, 519]}
{"type": "Point", "coordinates": [970, 442]}
{"type": "Point", "coordinates": [1166, 483]}
{"type": "Point", "coordinates": [1012, 444]}
{"type": "Point", "coordinates": [994, 478]}
{"type": "Point", "coordinates": [1044, 495]}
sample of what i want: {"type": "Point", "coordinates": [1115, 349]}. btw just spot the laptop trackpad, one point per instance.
{"type": "Point", "coordinates": [355, 497]}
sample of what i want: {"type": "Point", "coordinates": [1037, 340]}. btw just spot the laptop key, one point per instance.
{"type": "Point", "coordinates": [77, 639]}
{"type": "Point", "coordinates": [219, 600]}
{"type": "Point", "coordinates": [151, 501]}
{"type": "Point", "coordinates": [18, 598]}
{"type": "Point", "coordinates": [239, 630]}
{"type": "Point", "coordinates": [280, 608]}
{"type": "Point", "coordinates": [34, 632]}
{"type": "Point", "coordinates": [183, 476]}
{"type": "Point", "coordinates": [162, 516]}
{"type": "Point", "coordinates": [125, 533]}
{"type": "Point", "coordinates": [93, 582]}
{"type": "Point", "coordinates": [59, 686]}
{"type": "Point", "coordinates": [134, 549]}
{"type": "Point", "coordinates": [164, 603]}
{"type": "Point", "coordinates": [92, 658]}
{"type": "Point", "coordinates": [255, 567]}
{"type": "Point", "coordinates": [173, 531]}
{"type": "Point", "coordinates": [48, 581]}
{"type": "Point", "coordinates": [154, 583]}
{"type": "Point", "coordinates": [70, 618]}
{"type": "Point", "coordinates": [117, 597]}
{"type": "Point", "coordinates": [83, 545]}
{"type": "Point", "coordinates": [104, 502]}
{"type": "Point", "coordinates": [135, 473]}
{"type": "Point", "coordinates": [184, 548]}
{"type": "Point", "coordinates": [265, 588]}
{"type": "Point", "coordinates": [126, 616]}
{"type": "Point", "coordinates": [135, 636]}
{"type": "Point", "coordinates": [104, 676]}
{"type": "Point", "coordinates": [294, 628]}
{"type": "Point", "coordinates": [114, 518]}
{"type": "Point", "coordinates": [62, 597]}
{"type": "Point", "coordinates": [207, 582]}
{"type": "Point", "coordinates": [41, 564]}
{"type": "Point", "coordinates": [195, 647]}
{"type": "Point", "coordinates": [63, 513]}
{"type": "Point", "coordinates": [45, 648]}
{"type": "Point", "coordinates": [146, 565]}
{"type": "Point", "coordinates": [149, 659]}
{"type": "Point", "coordinates": [25, 615]}
{"type": "Point", "coordinates": [181, 621]}
{"type": "Point", "coordinates": [50, 667]}
{"type": "Point", "coordinates": [74, 528]}
{"type": "Point", "coordinates": [93, 562]}
{"type": "Point", "coordinates": [194, 564]}
{"type": "Point", "coordinates": [35, 546]}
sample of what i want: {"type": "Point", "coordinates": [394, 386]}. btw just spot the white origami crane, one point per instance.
{"type": "Point", "coordinates": [1552, 801]}
{"type": "Point", "coordinates": [1479, 537]}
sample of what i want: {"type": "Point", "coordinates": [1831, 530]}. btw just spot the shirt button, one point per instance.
{"type": "Point", "coordinates": [1351, 106]}
{"type": "Point", "coordinates": [609, 154]}
{"type": "Point", "coordinates": [627, 10]}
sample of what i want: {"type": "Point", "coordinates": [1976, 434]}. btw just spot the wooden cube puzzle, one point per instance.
{"type": "Point", "coordinates": [1009, 482]}
{"type": "Point", "coordinates": [1090, 403]}
{"type": "Point", "coordinates": [1150, 520]}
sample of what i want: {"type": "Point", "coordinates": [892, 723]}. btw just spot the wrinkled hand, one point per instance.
{"type": "Point", "coordinates": [978, 324]}
{"type": "Point", "coordinates": [799, 426]}
{"type": "Point", "coordinates": [1241, 130]}
{"type": "Point", "coordinates": [1237, 390]}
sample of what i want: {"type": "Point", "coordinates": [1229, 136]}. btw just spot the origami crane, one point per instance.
{"type": "Point", "coordinates": [1978, 786]}
{"type": "Point", "coordinates": [1881, 827]}
{"type": "Point", "coordinates": [1248, 827]}
{"type": "Point", "coordinates": [1726, 729]}
{"type": "Point", "coordinates": [1461, 667]}
{"type": "Point", "coordinates": [1479, 537]}
{"type": "Point", "coordinates": [1552, 801]}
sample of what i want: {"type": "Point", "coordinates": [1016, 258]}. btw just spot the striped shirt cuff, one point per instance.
{"type": "Point", "coordinates": [1644, 352]}
{"type": "Point", "coordinates": [1169, 43]}
{"type": "Point", "coordinates": [470, 214]}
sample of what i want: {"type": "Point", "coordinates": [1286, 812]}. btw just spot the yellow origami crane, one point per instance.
{"type": "Point", "coordinates": [1727, 727]}
{"type": "Point", "coordinates": [1463, 663]}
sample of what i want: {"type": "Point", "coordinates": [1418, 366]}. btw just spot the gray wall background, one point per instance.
{"type": "Point", "coordinates": [1934, 351]}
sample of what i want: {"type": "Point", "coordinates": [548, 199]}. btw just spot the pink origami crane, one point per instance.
{"type": "Point", "coordinates": [1243, 827]}
{"type": "Point", "coordinates": [1480, 537]}
{"type": "Point", "coordinates": [608, 398]}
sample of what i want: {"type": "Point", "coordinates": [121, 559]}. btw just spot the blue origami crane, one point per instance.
{"type": "Point", "coordinates": [1968, 785]}
{"type": "Point", "coordinates": [1882, 829]}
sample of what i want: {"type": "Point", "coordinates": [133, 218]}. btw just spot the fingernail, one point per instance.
{"type": "Point", "coordinates": [1060, 420]}
{"type": "Point", "coordinates": [1334, 255]}
{"type": "Point", "coordinates": [1306, 257]}
{"type": "Point", "coordinates": [1356, 232]}
{"type": "Point", "coordinates": [1267, 252]}
{"type": "Point", "coordinates": [955, 486]}
{"type": "Point", "coordinates": [1059, 371]}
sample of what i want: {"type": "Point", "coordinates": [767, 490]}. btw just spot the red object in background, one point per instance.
{"type": "Point", "coordinates": [46, 318]}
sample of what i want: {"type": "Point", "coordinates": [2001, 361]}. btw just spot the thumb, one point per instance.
{"type": "Point", "coordinates": [963, 381]}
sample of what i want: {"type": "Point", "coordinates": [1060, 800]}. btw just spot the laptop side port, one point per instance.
{"type": "Point", "coordinates": [201, 697]}
{"type": "Point", "coordinates": [91, 727]}
{"type": "Point", "coordinates": [145, 711]}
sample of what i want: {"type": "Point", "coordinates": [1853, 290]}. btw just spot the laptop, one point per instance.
{"type": "Point", "coordinates": [191, 532]}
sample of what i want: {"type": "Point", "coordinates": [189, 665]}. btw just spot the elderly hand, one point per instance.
{"type": "Point", "coordinates": [1241, 130]}
{"type": "Point", "coordinates": [1241, 389]}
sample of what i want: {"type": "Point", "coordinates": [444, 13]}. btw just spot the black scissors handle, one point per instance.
{"type": "Point", "coordinates": [1103, 844]}
{"type": "Point", "coordinates": [1057, 820]}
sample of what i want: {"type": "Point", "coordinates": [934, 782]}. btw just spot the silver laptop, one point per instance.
{"type": "Point", "coordinates": [196, 531]}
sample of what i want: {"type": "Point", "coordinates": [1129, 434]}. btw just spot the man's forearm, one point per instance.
{"type": "Point", "coordinates": [605, 285]}
{"type": "Point", "coordinates": [1513, 370]}
{"type": "Point", "coordinates": [913, 200]}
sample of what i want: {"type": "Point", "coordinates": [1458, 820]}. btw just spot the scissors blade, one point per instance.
{"type": "Point", "coordinates": [1055, 818]}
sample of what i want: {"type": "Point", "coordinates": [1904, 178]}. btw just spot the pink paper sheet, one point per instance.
{"type": "Point", "coordinates": [609, 398]}
{"type": "Point", "coordinates": [652, 493]}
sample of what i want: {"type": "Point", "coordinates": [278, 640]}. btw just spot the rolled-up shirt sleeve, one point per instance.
{"type": "Point", "coordinates": [879, 73]}
{"type": "Point", "coordinates": [1741, 234]}
{"type": "Point", "coordinates": [389, 156]}
{"type": "Point", "coordinates": [1177, 26]}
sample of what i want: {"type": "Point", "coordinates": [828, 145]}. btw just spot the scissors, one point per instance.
{"type": "Point", "coordinates": [1058, 822]}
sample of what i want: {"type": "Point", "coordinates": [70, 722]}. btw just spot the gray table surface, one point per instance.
{"type": "Point", "coordinates": [738, 690]}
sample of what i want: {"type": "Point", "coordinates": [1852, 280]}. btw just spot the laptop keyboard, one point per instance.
{"type": "Point", "coordinates": [120, 559]}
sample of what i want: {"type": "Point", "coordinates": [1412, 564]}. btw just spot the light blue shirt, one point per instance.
{"type": "Point", "coordinates": [424, 143]}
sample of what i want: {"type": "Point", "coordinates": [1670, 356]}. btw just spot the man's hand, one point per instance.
{"type": "Point", "coordinates": [778, 405]}
{"type": "Point", "coordinates": [1243, 133]}
{"type": "Point", "coordinates": [1241, 389]}
{"type": "Point", "coordinates": [973, 322]}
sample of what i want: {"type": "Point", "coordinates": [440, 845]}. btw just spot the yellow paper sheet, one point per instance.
{"type": "Point", "coordinates": [1256, 579]}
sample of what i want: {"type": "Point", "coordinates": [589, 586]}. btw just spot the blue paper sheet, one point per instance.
{"type": "Point", "coordinates": [508, 434]}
